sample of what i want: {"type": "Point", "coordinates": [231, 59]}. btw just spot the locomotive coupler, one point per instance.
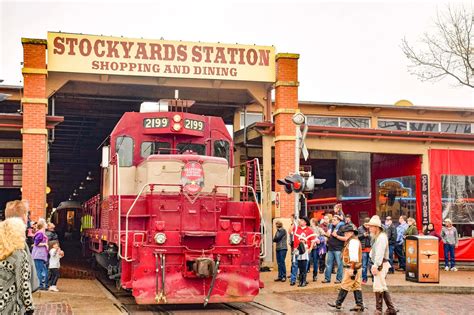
{"type": "Point", "coordinates": [214, 275]}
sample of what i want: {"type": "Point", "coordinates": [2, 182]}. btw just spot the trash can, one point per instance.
{"type": "Point", "coordinates": [422, 259]}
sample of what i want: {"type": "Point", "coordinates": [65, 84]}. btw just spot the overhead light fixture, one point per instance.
{"type": "Point", "coordinates": [89, 176]}
{"type": "Point", "coordinates": [70, 198]}
{"type": "Point", "coordinates": [74, 193]}
{"type": "Point", "coordinates": [81, 187]}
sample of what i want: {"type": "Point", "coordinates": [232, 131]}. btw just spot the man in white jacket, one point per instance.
{"type": "Point", "coordinates": [380, 259]}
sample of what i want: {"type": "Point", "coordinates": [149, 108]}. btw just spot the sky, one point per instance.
{"type": "Point", "coordinates": [349, 50]}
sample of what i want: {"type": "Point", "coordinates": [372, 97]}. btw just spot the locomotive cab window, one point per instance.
{"type": "Point", "coordinates": [200, 149]}
{"type": "Point", "coordinates": [150, 147]}
{"type": "Point", "coordinates": [124, 148]}
{"type": "Point", "coordinates": [221, 149]}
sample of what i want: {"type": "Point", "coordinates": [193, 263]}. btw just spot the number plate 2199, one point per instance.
{"type": "Point", "coordinates": [193, 124]}
{"type": "Point", "coordinates": [155, 122]}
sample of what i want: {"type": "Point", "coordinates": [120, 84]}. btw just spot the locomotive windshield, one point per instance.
{"type": "Point", "coordinates": [221, 149]}
{"type": "Point", "coordinates": [200, 149]}
{"type": "Point", "coordinates": [154, 147]}
{"type": "Point", "coordinates": [124, 148]}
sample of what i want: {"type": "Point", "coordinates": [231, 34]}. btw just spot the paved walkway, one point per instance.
{"type": "Point", "coordinates": [76, 296]}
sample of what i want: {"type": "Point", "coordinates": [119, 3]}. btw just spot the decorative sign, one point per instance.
{"type": "Point", "coordinates": [155, 122]}
{"type": "Point", "coordinates": [192, 177]}
{"type": "Point", "coordinates": [425, 204]}
{"type": "Point", "coordinates": [193, 124]}
{"type": "Point", "coordinates": [10, 172]}
{"type": "Point", "coordinates": [159, 58]}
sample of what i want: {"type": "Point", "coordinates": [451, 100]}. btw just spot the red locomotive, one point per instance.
{"type": "Point", "coordinates": [165, 225]}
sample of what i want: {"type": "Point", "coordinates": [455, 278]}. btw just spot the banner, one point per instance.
{"type": "Point", "coordinates": [425, 204]}
{"type": "Point", "coordinates": [159, 58]}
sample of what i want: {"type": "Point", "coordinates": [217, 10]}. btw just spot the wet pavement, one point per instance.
{"type": "Point", "coordinates": [406, 303]}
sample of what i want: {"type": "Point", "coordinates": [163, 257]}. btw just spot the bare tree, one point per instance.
{"type": "Point", "coordinates": [448, 51]}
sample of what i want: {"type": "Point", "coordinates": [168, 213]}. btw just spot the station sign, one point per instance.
{"type": "Point", "coordinates": [10, 172]}
{"type": "Point", "coordinates": [159, 58]}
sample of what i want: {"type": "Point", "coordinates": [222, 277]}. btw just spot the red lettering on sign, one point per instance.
{"type": "Point", "coordinates": [71, 42]}
{"type": "Point", "coordinates": [141, 51]}
{"type": "Point", "coordinates": [58, 46]}
{"type": "Point", "coordinates": [85, 47]}
{"type": "Point", "coordinates": [112, 49]}
{"type": "Point", "coordinates": [182, 54]}
{"type": "Point", "coordinates": [197, 56]}
{"type": "Point", "coordinates": [96, 48]}
{"type": "Point", "coordinates": [126, 48]}
{"type": "Point", "coordinates": [220, 55]}
{"type": "Point", "coordinates": [155, 51]}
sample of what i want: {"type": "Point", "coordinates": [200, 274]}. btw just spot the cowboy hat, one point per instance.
{"type": "Point", "coordinates": [349, 228]}
{"type": "Point", "coordinates": [375, 221]}
{"type": "Point", "coordinates": [306, 220]}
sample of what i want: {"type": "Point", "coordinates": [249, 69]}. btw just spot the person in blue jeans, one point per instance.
{"type": "Point", "coordinates": [364, 238]}
{"type": "Point", "coordinates": [335, 244]}
{"type": "Point", "coordinates": [391, 231]}
{"type": "Point", "coordinates": [40, 255]}
{"type": "Point", "coordinates": [399, 250]}
{"type": "Point", "coordinates": [449, 236]}
{"type": "Point", "coordinates": [280, 239]}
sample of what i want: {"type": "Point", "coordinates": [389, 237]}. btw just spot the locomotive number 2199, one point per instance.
{"type": "Point", "coordinates": [155, 122]}
{"type": "Point", "coordinates": [193, 124]}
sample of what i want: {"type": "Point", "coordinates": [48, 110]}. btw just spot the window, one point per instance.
{"type": "Point", "coordinates": [396, 196]}
{"type": "Point", "coordinates": [249, 118]}
{"type": "Point", "coordinates": [455, 128]}
{"type": "Point", "coordinates": [221, 149]}
{"type": "Point", "coordinates": [353, 175]}
{"type": "Point", "coordinates": [392, 125]}
{"type": "Point", "coordinates": [351, 122]}
{"type": "Point", "coordinates": [200, 149]}
{"type": "Point", "coordinates": [458, 202]}
{"type": "Point", "coordinates": [323, 121]}
{"type": "Point", "coordinates": [423, 126]}
{"type": "Point", "coordinates": [124, 148]}
{"type": "Point", "coordinates": [149, 147]}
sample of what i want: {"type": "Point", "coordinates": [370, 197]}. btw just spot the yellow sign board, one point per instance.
{"type": "Point", "coordinates": [159, 58]}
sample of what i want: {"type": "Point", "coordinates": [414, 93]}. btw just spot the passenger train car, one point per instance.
{"type": "Point", "coordinates": [165, 224]}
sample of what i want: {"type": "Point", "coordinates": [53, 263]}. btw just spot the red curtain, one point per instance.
{"type": "Point", "coordinates": [449, 162]}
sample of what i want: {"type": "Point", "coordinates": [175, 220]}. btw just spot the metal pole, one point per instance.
{"type": "Point", "coordinates": [297, 168]}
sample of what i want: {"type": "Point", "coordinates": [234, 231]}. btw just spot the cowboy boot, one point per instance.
{"type": "Point", "coordinates": [340, 299]}
{"type": "Point", "coordinates": [378, 302]}
{"type": "Point", "coordinates": [359, 302]}
{"type": "Point", "coordinates": [305, 283]}
{"type": "Point", "coordinates": [388, 301]}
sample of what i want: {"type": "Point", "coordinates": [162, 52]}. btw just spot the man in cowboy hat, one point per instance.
{"type": "Point", "coordinates": [380, 259]}
{"type": "Point", "coordinates": [352, 262]}
{"type": "Point", "coordinates": [300, 254]}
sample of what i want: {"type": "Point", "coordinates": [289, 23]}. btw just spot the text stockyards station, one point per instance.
{"type": "Point", "coordinates": [96, 54]}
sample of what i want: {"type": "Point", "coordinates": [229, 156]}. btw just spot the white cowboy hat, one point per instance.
{"type": "Point", "coordinates": [375, 221]}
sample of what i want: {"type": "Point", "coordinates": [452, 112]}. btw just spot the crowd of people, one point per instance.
{"type": "Point", "coordinates": [29, 259]}
{"type": "Point", "coordinates": [334, 245]}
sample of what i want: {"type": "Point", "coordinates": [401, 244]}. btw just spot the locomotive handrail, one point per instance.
{"type": "Point", "coordinates": [130, 210]}
{"type": "Point", "coordinates": [263, 252]}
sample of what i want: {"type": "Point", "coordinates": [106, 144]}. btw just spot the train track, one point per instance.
{"type": "Point", "coordinates": [126, 304]}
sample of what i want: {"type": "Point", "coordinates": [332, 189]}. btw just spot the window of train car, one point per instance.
{"type": "Point", "coordinates": [221, 149]}
{"type": "Point", "coordinates": [151, 147]}
{"type": "Point", "coordinates": [124, 148]}
{"type": "Point", "coordinates": [200, 149]}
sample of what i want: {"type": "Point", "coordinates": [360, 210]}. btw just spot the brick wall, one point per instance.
{"type": "Point", "coordinates": [286, 103]}
{"type": "Point", "coordinates": [34, 127]}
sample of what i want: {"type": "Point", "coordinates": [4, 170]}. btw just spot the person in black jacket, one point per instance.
{"type": "Point", "coordinates": [364, 238]}
{"type": "Point", "coordinates": [280, 239]}
{"type": "Point", "coordinates": [391, 231]}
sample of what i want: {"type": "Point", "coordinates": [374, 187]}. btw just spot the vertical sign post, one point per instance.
{"type": "Point", "coordinates": [425, 205]}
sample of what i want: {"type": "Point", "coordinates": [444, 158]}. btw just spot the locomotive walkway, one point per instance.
{"type": "Point", "coordinates": [89, 296]}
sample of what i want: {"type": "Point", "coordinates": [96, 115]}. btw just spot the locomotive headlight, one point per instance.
{"type": "Point", "coordinates": [176, 126]}
{"type": "Point", "coordinates": [160, 238]}
{"type": "Point", "coordinates": [177, 118]}
{"type": "Point", "coordinates": [235, 239]}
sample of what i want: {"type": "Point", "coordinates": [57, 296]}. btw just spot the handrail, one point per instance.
{"type": "Point", "coordinates": [130, 210]}
{"type": "Point", "coordinates": [263, 252]}
{"type": "Point", "coordinates": [262, 222]}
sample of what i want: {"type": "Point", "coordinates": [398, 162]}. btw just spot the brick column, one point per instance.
{"type": "Point", "coordinates": [286, 105]}
{"type": "Point", "coordinates": [35, 135]}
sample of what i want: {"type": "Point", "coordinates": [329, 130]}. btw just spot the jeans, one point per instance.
{"type": "Point", "coordinates": [449, 251]}
{"type": "Point", "coordinates": [391, 248]}
{"type": "Point", "coordinates": [280, 256]}
{"type": "Point", "coordinates": [330, 257]}
{"type": "Point", "coordinates": [365, 264]}
{"type": "Point", "coordinates": [294, 269]}
{"type": "Point", "coordinates": [42, 271]}
{"type": "Point", "coordinates": [53, 276]}
{"type": "Point", "coordinates": [401, 256]}
{"type": "Point", "coordinates": [315, 257]}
